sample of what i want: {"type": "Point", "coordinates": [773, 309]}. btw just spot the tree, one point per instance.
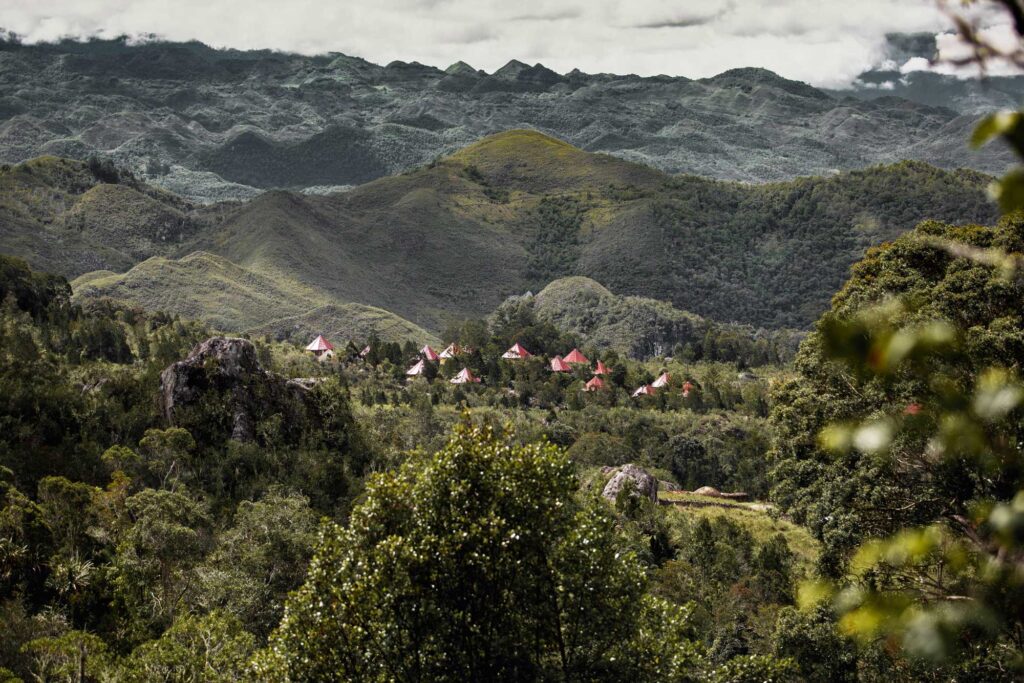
{"type": "Point", "coordinates": [73, 657]}
{"type": "Point", "coordinates": [909, 467]}
{"type": "Point", "coordinates": [260, 559]}
{"type": "Point", "coordinates": [844, 496]}
{"type": "Point", "coordinates": [213, 648]}
{"type": "Point", "coordinates": [166, 454]}
{"type": "Point", "coordinates": [154, 569]}
{"type": "Point", "coordinates": [476, 563]}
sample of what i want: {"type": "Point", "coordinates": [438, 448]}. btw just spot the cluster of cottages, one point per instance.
{"type": "Point", "coordinates": [323, 349]}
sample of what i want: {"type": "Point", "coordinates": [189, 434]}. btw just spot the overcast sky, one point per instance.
{"type": "Point", "coordinates": [823, 42]}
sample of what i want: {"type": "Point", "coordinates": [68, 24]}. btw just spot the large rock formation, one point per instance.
{"type": "Point", "coordinates": [642, 483]}
{"type": "Point", "coordinates": [222, 383]}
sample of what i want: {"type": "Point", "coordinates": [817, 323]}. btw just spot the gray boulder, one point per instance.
{"type": "Point", "coordinates": [643, 484]}
{"type": "Point", "coordinates": [222, 377]}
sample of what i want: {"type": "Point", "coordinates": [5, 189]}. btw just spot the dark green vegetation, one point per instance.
{"type": "Point", "coordinates": [131, 543]}
{"type": "Point", "coordinates": [439, 242]}
{"type": "Point", "coordinates": [898, 446]}
{"type": "Point", "coordinates": [134, 548]}
{"type": "Point", "coordinates": [840, 498]}
{"type": "Point", "coordinates": [216, 124]}
{"type": "Point", "coordinates": [71, 217]}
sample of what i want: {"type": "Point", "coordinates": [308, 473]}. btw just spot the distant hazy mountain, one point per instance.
{"type": "Point", "coordinates": [506, 215]}
{"type": "Point", "coordinates": [896, 77]}
{"type": "Point", "coordinates": [212, 124]}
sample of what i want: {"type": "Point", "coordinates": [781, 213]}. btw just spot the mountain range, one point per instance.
{"type": "Point", "coordinates": [454, 239]}
{"type": "Point", "coordinates": [216, 124]}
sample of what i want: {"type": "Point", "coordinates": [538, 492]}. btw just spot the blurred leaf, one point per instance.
{"type": "Point", "coordinates": [836, 437]}
{"type": "Point", "coordinates": [867, 557]}
{"type": "Point", "coordinates": [1000, 123]}
{"type": "Point", "coordinates": [874, 437]}
{"type": "Point", "coordinates": [1008, 191]}
{"type": "Point", "coordinates": [997, 396]}
{"type": "Point", "coordinates": [812, 593]}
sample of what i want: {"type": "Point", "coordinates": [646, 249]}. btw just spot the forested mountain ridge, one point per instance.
{"type": "Point", "coordinates": [214, 124]}
{"type": "Point", "coordinates": [507, 215]}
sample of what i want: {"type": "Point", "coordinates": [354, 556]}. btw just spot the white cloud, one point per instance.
{"type": "Point", "coordinates": [824, 42]}
{"type": "Point", "coordinates": [915, 64]}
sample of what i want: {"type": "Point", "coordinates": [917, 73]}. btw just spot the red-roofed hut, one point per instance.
{"type": "Point", "coordinates": [517, 352]}
{"type": "Point", "coordinates": [645, 390]}
{"type": "Point", "coordinates": [576, 358]}
{"type": "Point", "coordinates": [595, 384]}
{"type": "Point", "coordinates": [559, 365]}
{"type": "Point", "coordinates": [452, 351]}
{"type": "Point", "coordinates": [465, 376]}
{"type": "Point", "coordinates": [417, 370]}
{"type": "Point", "coordinates": [602, 369]}
{"type": "Point", "coordinates": [321, 348]}
{"type": "Point", "coordinates": [429, 353]}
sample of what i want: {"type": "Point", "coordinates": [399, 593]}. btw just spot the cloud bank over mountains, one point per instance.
{"type": "Point", "coordinates": [823, 42]}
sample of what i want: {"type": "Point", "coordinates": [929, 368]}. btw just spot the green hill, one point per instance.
{"type": "Point", "coordinates": [72, 217]}
{"type": "Point", "coordinates": [518, 210]}
{"type": "Point", "coordinates": [641, 327]}
{"type": "Point", "coordinates": [343, 322]}
{"type": "Point", "coordinates": [210, 288]}
{"type": "Point", "coordinates": [508, 214]}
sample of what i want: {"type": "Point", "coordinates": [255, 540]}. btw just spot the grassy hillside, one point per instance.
{"type": "Point", "coordinates": [71, 217]}
{"type": "Point", "coordinates": [210, 288]}
{"type": "Point", "coordinates": [512, 213]}
{"type": "Point", "coordinates": [341, 322]}
{"type": "Point", "coordinates": [640, 327]}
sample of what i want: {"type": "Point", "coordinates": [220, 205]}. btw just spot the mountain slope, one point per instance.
{"type": "Point", "coordinates": [642, 327]}
{"type": "Point", "coordinates": [70, 217]}
{"type": "Point", "coordinates": [212, 123]}
{"type": "Point", "coordinates": [210, 288]}
{"type": "Point", "coordinates": [519, 209]}
{"type": "Point", "coordinates": [347, 321]}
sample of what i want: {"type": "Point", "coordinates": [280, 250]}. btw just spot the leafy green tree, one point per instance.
{"type": "Point", "coordinates": [155, 566]}
{"type": "Point", "coordinates": [73, 657]}
{"type": "Point", "coordinates": [813, 641]}
{"type": "Point", "coordinates": [476, 563]}
{"type": "Point", "coordinates": [260, 559]}
{"type": "Point", "coordinates": [211, 648]}
{"type": "Point", "coordinates": [166, 453]}
{"type": "Point", "coordinates": [845, 497]}
{"type": "Point", "coordinates": [909, 467]}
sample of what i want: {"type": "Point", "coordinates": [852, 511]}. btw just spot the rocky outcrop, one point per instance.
{"type": "Point", "coordinates": [642, 483]}
{"type": "Point", "coordinates": [712, 492]}
{"type": "Point", "coordinates": [222, 383]}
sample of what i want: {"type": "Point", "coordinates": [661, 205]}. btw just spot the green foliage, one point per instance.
{"type": "Point", "coordinates": [960, 316]}
{"type": "Point", "coordinates": [212, 648]}
{"type": "Point", "coordinates": [910, 472]}
{"type": "Point", "coordinates": [259, 559]}
{"type": "Point", "coordinates": [474, 563]}
{"type": "Point", "coordinates": [154, 569]}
